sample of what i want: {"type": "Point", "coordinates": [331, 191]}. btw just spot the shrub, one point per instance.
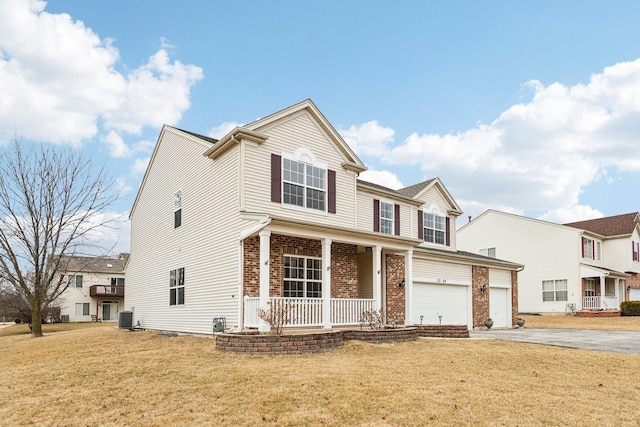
{"type": "Point", "coordinates": [630, 308]}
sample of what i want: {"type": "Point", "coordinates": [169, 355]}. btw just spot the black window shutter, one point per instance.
{"type": "Point", "coordinates": [331, 191]}
{"type": "Point", "coordinates": [447, 236]}
{"type": "Point", "coordinates": [276, 178]}
{"type": "Point", "coordinates": [420, 225]}
{"type": "Point", "coordinates": [376, 215]}
{"type": "Point", "coordinates": [396, 219]}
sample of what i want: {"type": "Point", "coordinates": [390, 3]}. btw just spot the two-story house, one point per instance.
{"type": "Point", "coordinates": [274, 213]}
{"type": "Point", "coordinates": [95, 288]}
{"type": "Point", "coordinates": [587, 265]}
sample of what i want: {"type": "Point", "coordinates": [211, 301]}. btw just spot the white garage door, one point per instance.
{"type": "Point", "coordinates": [634, 294]}
{"type": "Point", "coordinates": [498, 307]}
{"type": "Point", "coordinates": [433, 300]}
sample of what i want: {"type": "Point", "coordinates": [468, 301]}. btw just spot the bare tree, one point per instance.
{"type": "Point", "coordinates": [51, 200]}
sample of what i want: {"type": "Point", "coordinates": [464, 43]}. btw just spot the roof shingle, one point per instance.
{"type": "Point", "coordinates": [609, 226]}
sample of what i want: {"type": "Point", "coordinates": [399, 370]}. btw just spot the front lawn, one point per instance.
{"type": "Point", "coordinates": [624, 323]}
{"type": "Point", "coordinates": [102, 375]}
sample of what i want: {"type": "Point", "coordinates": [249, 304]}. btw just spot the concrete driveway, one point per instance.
{"type": "Point", "coordinates": [615, 341]}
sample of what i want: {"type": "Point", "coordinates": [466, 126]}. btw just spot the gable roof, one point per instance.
{"type": "Point", "coordinates": [352, 162]}
{"type": "Point", "coordinates": [609, 226]}
{"type": "Point", "coordinates": [414, 189]}
{"type": "Point", "coordinates": [83, 264]}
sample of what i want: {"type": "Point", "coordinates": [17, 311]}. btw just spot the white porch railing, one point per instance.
{"type": "Point", "coordinates": [308, 311]}
{"type": "Point", "coordinates": [348, 311]}
{"type": "Point", "coordinates": [600, 303]}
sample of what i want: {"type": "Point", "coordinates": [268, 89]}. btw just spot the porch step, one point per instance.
{"type": "Point", "coordinates": [598, 313]}
{"type": "Point", "coordinates": [443, 331]}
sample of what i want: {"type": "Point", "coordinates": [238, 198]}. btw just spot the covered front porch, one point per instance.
{"type": "Point", "coordinates": [323, 278]}
{"type": "Point", "coordinates": [602, 289]}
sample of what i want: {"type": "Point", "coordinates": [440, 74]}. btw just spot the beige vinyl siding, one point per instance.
{"type": "Point", "coordinates": [298, 130]}
{"type": "Point", "coordinates": [205, 245]}
{"type": "Point", "coordinates": [617, 255]}
{"type": "Point", "coordinates": [364, 203]}
{"type": "Point", "coordinates": [548, 252]}
{"type": "Point", "coordinates": [433, 197]}
{"type": "Point", "coordinates": [430, 271]}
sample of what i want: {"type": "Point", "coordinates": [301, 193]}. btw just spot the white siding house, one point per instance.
{"type": "Point", "coordinates": [273, 213]}
{"type": "Point", "coordinates": [577, 266]}
{"type": "Point", "coordinates": [95, 288]}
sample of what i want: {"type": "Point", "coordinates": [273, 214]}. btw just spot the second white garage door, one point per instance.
{"type": "Point", "coordinates": [498, 307]}
{"type": "Point", "coordinates": [634, 294]}
{"type": "Point", "coordinates": [432, 300]}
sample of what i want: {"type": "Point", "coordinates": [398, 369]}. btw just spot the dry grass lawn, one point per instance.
{"type": "Point", "coordinates": [625, 323]}
{"type": "Point", "coordinates": [101, 375]}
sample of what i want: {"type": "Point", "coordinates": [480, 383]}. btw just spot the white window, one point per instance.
{"type": "Point", "coordinates": [488, 252]}
{"type": "Point", "coordinates": [302, 277]}
{"type": "Point", "coordinates": [386, 217]}
{"type": "Point", "coordinates": [635, 251]}
{"type": "Point", "coordinates": [177, 209]}
{"type": "Point", "coordinates": [304, 185]}
{"type": "Point", "coordinates": [587, 248]}
{"type": "Point", "coordinates": [176, 287]}
{"type": "Point", "coordinates": [434, 228]}
{"type": "Point", "coordinates": [598, 251]}
{"type": "Point", "coordinates": [554, 290]}
{"type": "Point", "coordinates": [75, 280]}
{"type": "Point", "coordinates": [82, 309]}
{"type": "Point", "coordinates": [589, 288]}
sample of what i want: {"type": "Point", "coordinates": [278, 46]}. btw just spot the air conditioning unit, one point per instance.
{"type": "Point", "coordinates": [125, 321]}
{"type": "Point", "coordinates": [64, 318]}
{"type": "Point", "coordinates": [219, 324]}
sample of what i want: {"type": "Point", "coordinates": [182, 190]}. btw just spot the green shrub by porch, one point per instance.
{"type": "Point", "coordinates": [630, 308]}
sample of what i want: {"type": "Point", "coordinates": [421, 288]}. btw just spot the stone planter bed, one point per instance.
{"type": "Point", "coordinates": [443, 331]}
{"type": "Point", "coordinates": [308, 342]}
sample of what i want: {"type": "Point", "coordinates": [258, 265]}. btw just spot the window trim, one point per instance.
{"type": "Point", "coordinates": [425, 226]}
{"type": "Point", "coordinates": [75, 281]}
{"type": "Point", "coordinates": [306, 158]}
{"type": "Point", "coordinates": [177, 208]}
{"type": "Point", "coordinates": [176, 284]}
{"type": "Point", "coordinates": [555, 291]}
{"type": "Point", "coordinates": [389, 222]}
{"type": "Point", "coordinates": [305, 281]}
{"type": "Point", "coordinates": [85, 305]}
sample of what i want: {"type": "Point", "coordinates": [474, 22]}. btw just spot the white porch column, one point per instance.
{"type": "Point", "coordinates": [265, 249]}
{"type": "Point", "coordinates": [408, 287]}
{"type": "Point", "coordinates": [326, 283]}
{"type": "Point", "coordinates": [602, 279]}
{"type": "Point", "coordinates": [377, 277]}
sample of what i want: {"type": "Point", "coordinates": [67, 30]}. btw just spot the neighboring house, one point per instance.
{"type": "Point", "coordinates": [273, 213]}
{"type": "Point", "coordinates": [95, 288]}
{"type": "Point", "coordinates": [586, 265]}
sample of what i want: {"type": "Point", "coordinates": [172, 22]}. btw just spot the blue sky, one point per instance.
{"type": "Point", "coordinates": [527, 107]}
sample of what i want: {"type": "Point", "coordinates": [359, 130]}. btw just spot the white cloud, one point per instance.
{"type": "Point", "coordinates": [539, 155]}
{"type": "Point", "coordinates": [385, 178]}
{"type": "Point", "coordinates": [572, 214]}
{"type": "Point", "coordinates": [117, 147]}
{"type": "Point", "coordinates": [221, 130]}
{"type": "Point", "coordinates": [65, 76]}
{"type": "Point", "coordinates": [368, 139]}
{"type": "Point", "coordinates": [111, 233]}
{"type": "Point", "coordinates": [122, 186]}
{"type": "Point", "coordinates": [139, 166]}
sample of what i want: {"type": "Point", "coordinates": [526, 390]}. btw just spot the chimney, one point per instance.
{"type": "Point", "coordinates": [469, 218]}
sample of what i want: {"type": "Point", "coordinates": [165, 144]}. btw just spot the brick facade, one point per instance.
{"type": "Point", "coordinates": [633, 281]}
{"type": "Point", "coordinates": [395, 295]}
{"type": "Point", "coordinates": [480, 278]}
{"type": "Point", "coordinates": [344, 264]}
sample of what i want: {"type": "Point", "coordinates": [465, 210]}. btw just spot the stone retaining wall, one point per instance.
{"type": "Point", "coordinates": [443, 331]}
{"type": "Point", "coordinates": [378, 336]}
{"type": "Point", "coordinates": [280, 344]}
